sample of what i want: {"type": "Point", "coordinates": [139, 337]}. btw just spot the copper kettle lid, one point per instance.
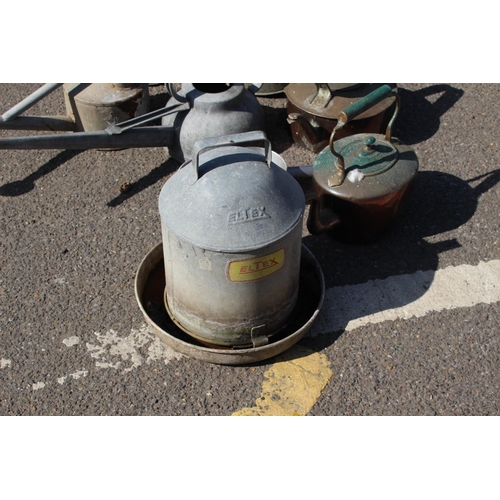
{"type": "Point", "coordinates": [369, 154]}
{"type": "Point", "coordinates": [373, 167]}
{"type": "Point", "coordinates": [362, 166]}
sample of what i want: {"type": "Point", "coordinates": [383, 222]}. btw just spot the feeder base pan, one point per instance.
{"type": "Point", "coordinates": [149, 292]}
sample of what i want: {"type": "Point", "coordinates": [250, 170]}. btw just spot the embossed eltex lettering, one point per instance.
{"type": "Point", "coordinates": [248, 215]}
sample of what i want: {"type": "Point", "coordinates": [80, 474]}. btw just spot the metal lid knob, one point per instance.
{"type": "Point", "coordinates": [368, 146]}
{"type": "Point", "coordinates": [369, 141]}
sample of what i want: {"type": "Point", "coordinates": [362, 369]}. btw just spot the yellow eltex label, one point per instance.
{"type": "Point", "coordinates": [255, 269]}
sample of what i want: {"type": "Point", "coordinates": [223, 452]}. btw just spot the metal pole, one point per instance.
{"type": "Point", "coordinates": [142, 137]}
{"type": "Point", "coordinates": [30, 101]}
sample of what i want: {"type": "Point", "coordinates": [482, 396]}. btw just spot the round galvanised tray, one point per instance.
{"type": "Point", "coordinates": [149, 292]}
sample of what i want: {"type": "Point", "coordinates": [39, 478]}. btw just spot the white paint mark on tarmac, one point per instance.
{"type": "Point", "coordinates": [38, 385]}
{"type": "Point", "coordinates": [76, 375]}
{"type": "Point", "coordinates": [130, 352]}
{"type": "Point", "coordinates": [292, 387]}
{"type": "Point", "coordinates": [4, 363]}
{"type": "Point", "coordinates": [70, 341]}
{"type": "Point", "coordinates": [407, 296]}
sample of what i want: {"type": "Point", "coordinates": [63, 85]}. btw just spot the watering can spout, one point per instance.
{"type": "Point", "coordinates": [142, 137]}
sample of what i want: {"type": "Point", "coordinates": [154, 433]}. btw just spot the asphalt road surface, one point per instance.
{"type": "Point", "coordinates": [410, 323]}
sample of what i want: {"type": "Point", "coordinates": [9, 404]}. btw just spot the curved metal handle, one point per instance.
{"type": "Point", "coordinates": [358, 107]}
{"type": "Point", "coordinates": [174, 94]}
{"type": "Point", "coordinates": [245, 138]}
{"type": "Point", "coordinates": [320, 219]}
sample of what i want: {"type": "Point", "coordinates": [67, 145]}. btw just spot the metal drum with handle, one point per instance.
{"type": "Point", "coordinates": [232, 230]}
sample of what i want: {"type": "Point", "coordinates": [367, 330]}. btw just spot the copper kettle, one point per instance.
{"type": "Point", "coordinates": [361, 182]}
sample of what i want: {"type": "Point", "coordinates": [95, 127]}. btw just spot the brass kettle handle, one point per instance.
{"type": "Point", "coordinates": [358, 107]}
{"type": "Point", "coordinates": [321, 219]}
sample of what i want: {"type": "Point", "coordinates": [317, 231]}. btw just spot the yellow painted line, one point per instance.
{"type": "Point", "coordinates": [292, 385]}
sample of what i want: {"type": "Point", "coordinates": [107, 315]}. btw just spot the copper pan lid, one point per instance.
{"type": "Point", "coordinates": [327, 100]}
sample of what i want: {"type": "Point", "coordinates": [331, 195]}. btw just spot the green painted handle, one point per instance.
{"type": "Point", "coordinates": [358, 107]}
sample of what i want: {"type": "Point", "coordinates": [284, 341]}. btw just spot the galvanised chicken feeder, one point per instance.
{"type": "Point", "coordinates": [215, 110]}
{"type": "Point", "coordinates": [232, 233]}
